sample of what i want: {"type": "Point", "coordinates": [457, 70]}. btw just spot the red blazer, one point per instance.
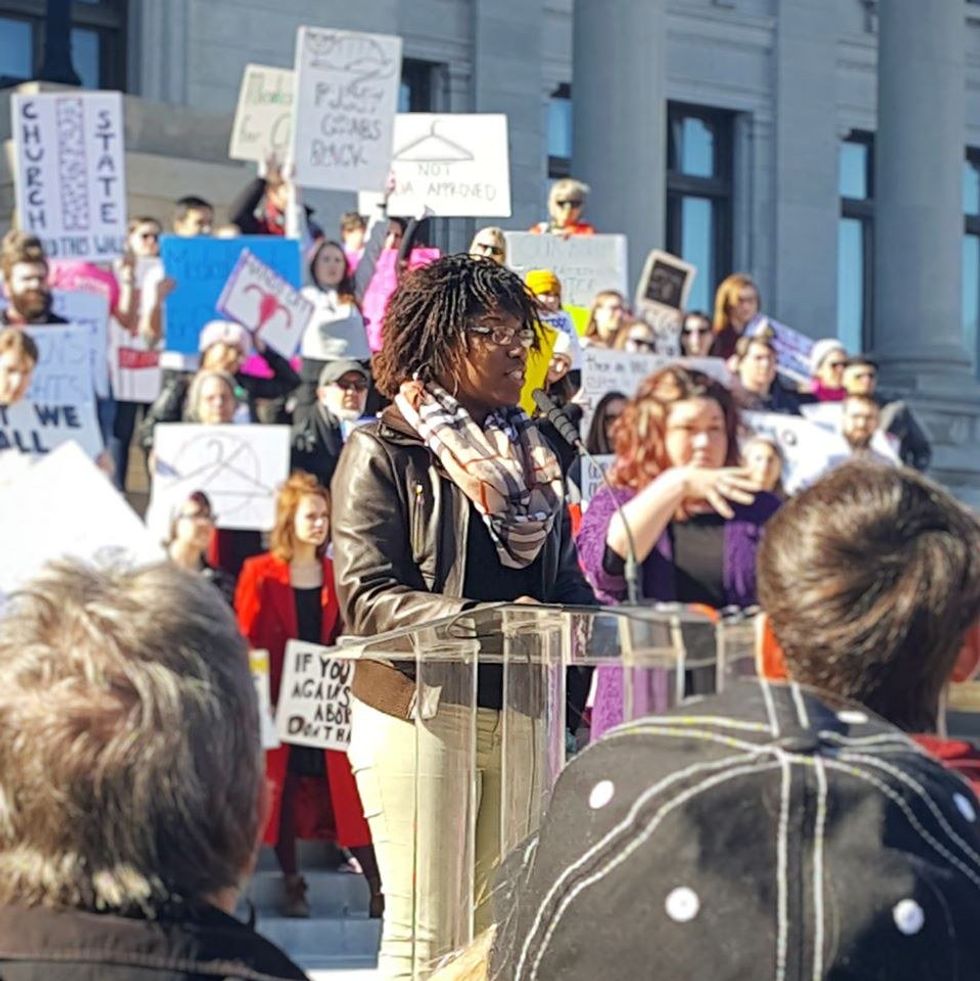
{"type": "Point", "coordinates": [266, 608]}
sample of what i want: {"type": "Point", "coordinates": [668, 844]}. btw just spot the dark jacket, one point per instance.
{"type": "Point", "coordinates": [400, 528]}
{"type": "Point", "coordinates": [898, 420]}
{"type": "Point", "coordinates": [169, 404]}
{"type": "Point", "coordinates": [39, 944]}
{"type": "Point", "coordinates": [780, 399]}
{"type": "Point", "coordinates": [317, 440]}
{"type": "Point", "coordinates": [399, 535]}
{"type": "Point", "coordinates": [245, 212]}
{"type": "Point", "coordinates": [48, 318]}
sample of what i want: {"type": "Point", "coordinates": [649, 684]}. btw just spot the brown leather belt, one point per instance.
{"type": "Point", "coordinates": [384, 688]}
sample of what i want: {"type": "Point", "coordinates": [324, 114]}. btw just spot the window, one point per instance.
{"type": "Point", "coordinates": [699, 195]}
{"type": "Point", "coordinates": [560, 132]}
{"type": "Point", "coordinates": [98, 40]}
{"type": "Point", "coordinates": [971, 254]}
{"type": "Point", "coordinates": [855, 230]}
{"type": "Point", "coordinates": [415, 92]}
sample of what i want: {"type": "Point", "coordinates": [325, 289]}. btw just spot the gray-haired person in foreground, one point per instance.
{"type": "Point", "coordinates": [131, 782]}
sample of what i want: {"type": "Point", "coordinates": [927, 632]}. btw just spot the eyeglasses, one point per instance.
{"type": "Point", "coordinates": [696, 330]}
{"type": "Point", "coordinates": [352, 385]}
{"type": "Point", "coordinates": [506, 336]}
{"type": "Point", "coordinates": [572, 203]}
{"type": "Point", "coordinates": [491, 249]}
{"type": "Point", "coordinates": [641, 343]}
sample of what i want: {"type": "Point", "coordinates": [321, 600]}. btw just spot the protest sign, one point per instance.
{"type": "Point", "coordinates": [808, 450]}
{"type": "Point", "coordinates": [382, 285]}
{"type": "Point", "coordinates": [71, 172]}
{"type": "Point", "coordinates": [134, 366]}
{"type": "Point", "coordinates": [263, 124]}
{"type": "Point", "coordinates": [59, 406]}
{"type": "Point", "coordinates": [605, 371]}
{"type": "Point", "coordinates": [455, 164]}
{"type": "Point", "coordinates": [201, 267]}
{"type": "Point", "coordinates": [261, 300]}
{"type": "Point", "coordinates": [793, 349]}
{"type": "Point", "coordinates": [64, 506]}
{"type": "Point", "coordinates": [91, 312]}
{"type": "Point", "coordinates": [314, 698]}
{"type": "Point", "coordinates": [346, 95]}
{"type": "Point", "coordinates": [585, 264]}
{"type": "Point", "coordinates": [238, 466]}
{"type": "Point", "coordinates": [258, 662]}
{"type": "Point", "coordinates": [665, 283]}
{"type": "Point", "coordinates": [592, 476]}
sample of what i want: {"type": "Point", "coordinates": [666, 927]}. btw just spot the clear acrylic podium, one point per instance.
{"type": "Point", "coordinates": [489, 735]}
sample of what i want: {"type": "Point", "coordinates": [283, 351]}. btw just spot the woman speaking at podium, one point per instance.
{"type": "Point", "coordinates": [695, 515]}
{"type": "Point", "coordinates": [451, 499]}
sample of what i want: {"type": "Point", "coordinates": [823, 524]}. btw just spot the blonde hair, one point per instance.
{"type": "Point", "coordinates": [567, 185]}
{"type": "Point", "coordinates": [130, 762]}
{"type": "Point", "coordinates": [495, 233]}
{"type": "Point", "coordinates": [726, 297]}
{"type": "Point", "coordinates": [193, 403]}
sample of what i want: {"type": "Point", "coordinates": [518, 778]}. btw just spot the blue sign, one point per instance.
{"type": "Point", "coordinates": [201, 267]}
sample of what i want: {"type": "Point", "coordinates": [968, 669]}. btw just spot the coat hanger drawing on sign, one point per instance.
{"type": "Point", "coordinates": [221, 466]}
{"type": "Point", "coordinates": [433, 148]}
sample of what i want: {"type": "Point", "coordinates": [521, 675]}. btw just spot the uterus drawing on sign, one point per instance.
{"type": "Point", "coordinates": [269, 306]}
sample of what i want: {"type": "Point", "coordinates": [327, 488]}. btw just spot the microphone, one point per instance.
{"type": "Point", "coordinates": [566, 429]}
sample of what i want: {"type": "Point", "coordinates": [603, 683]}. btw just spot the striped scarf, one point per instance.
{"type": "Point", "coordinates": [505, 468]}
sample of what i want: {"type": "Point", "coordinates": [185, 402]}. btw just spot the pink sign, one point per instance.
{"type": "Point", "coordinates": [383, 284]}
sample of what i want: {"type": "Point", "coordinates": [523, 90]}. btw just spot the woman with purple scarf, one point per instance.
{"type": "Point", "coordinates": [695, 516]}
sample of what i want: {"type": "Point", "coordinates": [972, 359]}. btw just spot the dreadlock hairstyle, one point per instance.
{"type": "Point", "coordinates": [424, 331]}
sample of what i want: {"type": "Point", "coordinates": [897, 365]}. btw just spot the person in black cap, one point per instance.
{"type": "Point", "coordinates": [768, 832]}
{"type": "Point", "coordinates": [319, 430]}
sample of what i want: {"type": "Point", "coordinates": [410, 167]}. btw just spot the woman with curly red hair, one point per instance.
{"type": "Point", "coordinates": [694, 513]}
{"type": "Point", "coordinates": [288, 594]}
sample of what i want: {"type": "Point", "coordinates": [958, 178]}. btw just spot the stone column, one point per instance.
{"type": "Point", "coordinates": [919, 153]}
{"type": "Point", "coordinates": [619, 117]}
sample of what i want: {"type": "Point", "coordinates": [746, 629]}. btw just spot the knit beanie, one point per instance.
{"type": "Point", "coordinates": [542, 281]}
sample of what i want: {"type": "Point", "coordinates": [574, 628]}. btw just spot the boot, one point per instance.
{"type": "Point", "coordinates": [369, 864]}
{"type": "Point", "coordinates": [295, 903]}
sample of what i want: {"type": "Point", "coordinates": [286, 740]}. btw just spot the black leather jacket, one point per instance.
{"type": "Point", "coordinates": [399, 527]}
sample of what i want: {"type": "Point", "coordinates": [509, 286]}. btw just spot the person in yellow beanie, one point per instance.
{"type": "Point", "coordinates": [546, 287]}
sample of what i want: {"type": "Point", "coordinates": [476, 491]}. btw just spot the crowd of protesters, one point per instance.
{"type": "Point", "coordinates": [419, 489]}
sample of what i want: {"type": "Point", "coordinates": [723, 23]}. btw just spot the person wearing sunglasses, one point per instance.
{"type": "Point", "coordinates": [566, 199]}
{"type": "Point", "coordinates": [696, 335]}
{"type": "Point", "coordinates": [828, 359]}
{"type": "Point", "coordinates": [489, 243]}
{"type": "Point", "coordinates": [897, 417]}
{"type": "Point", "coordinates": [320, 430]}
{"type": "Point", "coordinates": [450, 500]}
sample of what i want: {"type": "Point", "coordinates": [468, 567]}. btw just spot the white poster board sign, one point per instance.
{"type": "Point", "coordinates": [90, 311]}
{"type": "Point", "coordinates": [36, 526]}
{"type": "Point", "coordinates": [239, 467]}
{"type": "Point", "coordinates": [585, 264]}
{"type": "Point", "coordinates": [71, 172]}
{"type": "Point", "coordinates": [263, 124]}
{"type": "Point", "coordinates": [264, 302]}
{"type": "Point", "coordinates": [455, 164]}
{"type": "Point", "coordinates": [809, 450]}
{"type": "Point", "coordinates": [314, 698]}
{"type": "Point", "coordinates": [346, 96]}
{"type": "Point", "coordinates": [258, 662]}
{"type": "Point", "coordinates": [828, 416]}
{"type": "Point", "coordinates": [605, 371]}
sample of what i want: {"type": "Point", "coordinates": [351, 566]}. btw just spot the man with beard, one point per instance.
{"type": "Point", "coordinates": [24, 268]}
{"type": "Point", "coordinates": [319, 431]}
{"type": "Point", "coordinates": [859, 422]}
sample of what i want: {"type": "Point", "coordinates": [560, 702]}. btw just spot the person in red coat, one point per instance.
{"type": "Point", "coordinates": [288, 593]}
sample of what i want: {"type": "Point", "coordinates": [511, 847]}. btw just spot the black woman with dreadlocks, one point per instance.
{"type": "Point", "coordinates": [451, 499]}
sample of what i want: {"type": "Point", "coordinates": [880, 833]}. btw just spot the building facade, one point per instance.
{"type": "Point", "coordinates": [810, 143]}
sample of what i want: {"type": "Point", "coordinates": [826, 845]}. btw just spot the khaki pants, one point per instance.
{"type": "Point", "coordinates": [415, 781]}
